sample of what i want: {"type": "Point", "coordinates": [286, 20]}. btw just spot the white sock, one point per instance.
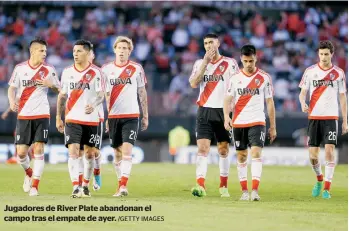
{"type": "Point", "coordinates": [81, 166]}
{"type": "Point", "coordinates": [329, 171]}
{"type": "Point", "coordinates": [224, 165]}
{"type": "Point", "coordinates": [39, 163]}
{"type": "Point", "coordinates": [97, 162]}
{"type": "Point", "coordinates": [126, 166]}
{"type": "Point", "coordinates": [25, 162]}
{"type": "Point", "coordinates": [256, 169]}
{"type": "Point", "coordinates": [317, 169]}
{"type": "Point", "coordinates": [242, 171]}
{"type": "Point", "coordinates": [117, 166]}
{"type": "Point", "coordinates": [88, 168]}
{"type": "Point", "coordinates": [73, 166]}
{"type": "Point", "coordinates": [201, 166]}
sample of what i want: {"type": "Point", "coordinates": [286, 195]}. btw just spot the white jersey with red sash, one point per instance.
{"type": "Point", "coordinates": [248, 94]}
{"type": "Point", "coordinates": [82, 88]}
{"type": "Point", "coordinates": [323, 86]}
{"type": "Point", "coordinates": [214, 85]}
{"type": "Point", "coordinates": [33, 102]}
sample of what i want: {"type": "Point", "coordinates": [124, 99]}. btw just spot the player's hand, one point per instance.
{"type": "Point", "coordinates": [14, 106]}
{"type": "Point", "coordinates": [209, 55]}
{"type": "Point", "coordinates": [344, 128]}
{"type": "Point", "coordinates": [89, 109]}
{"type": "Point", "coordinates": [228, 124]}
{"type": "Point", "coordinates": [144, 123]}
{"type": "Point", "coordinates": [60, 125]}
{"type": "Point", "coordinates": [305, 108]}
{"type": "Point", "coordinates": [106, 126]}
{"type": "Point", "coordinates": [45, 83]}
{"type": "Point", "coordinates": [272, 134]}
{"type": "Point", "coordinates": [4, 115]}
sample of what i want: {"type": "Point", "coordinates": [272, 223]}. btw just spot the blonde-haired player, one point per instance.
{"type": "Point", "coordinates": [125, 80]}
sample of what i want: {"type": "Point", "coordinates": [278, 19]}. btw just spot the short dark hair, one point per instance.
{"type": "Point", "coordinates": [248, 50]}
{"type": "Point", "coordinates": [211, 35]}
{"type": "Point", "coordinates": [38, 40]}
{"type": "Point", "coordinates": [87, 45]}
{"type": "Point", "coordinates": [326, 44]}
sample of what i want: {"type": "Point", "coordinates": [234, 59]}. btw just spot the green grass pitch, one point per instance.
{"type": "Point", "coordinates": [285, 192]}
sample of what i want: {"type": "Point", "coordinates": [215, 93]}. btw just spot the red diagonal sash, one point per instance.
{"type": "Point", "coordinates": [28, 91]}
{"type": "Point", "coordinates": [210, 86]}
{"type": "Point", "coordinates": [75, 94]}
{"type": "Point", "coordinates": [116, 90]}
{"type": "Point", "coordinates": [256, 82]}
{"type": "Point", "coordinates": [320, 90]}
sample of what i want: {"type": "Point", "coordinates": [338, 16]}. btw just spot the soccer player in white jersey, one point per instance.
{"type": "Point", "coordinates": [97, 180]}
{"type": "Point", "coordinates": [324, 81]}
{"type": "Point", "coordinates": [247, 90]}
{"type": "Point", "coordinates": [125, 80]}
{"type": "Point", "coordinates": [27, 95]}
{"type": "Point", "coordinates": [81, 94]}
{"type": "Point", "coordinates": [212, 74]}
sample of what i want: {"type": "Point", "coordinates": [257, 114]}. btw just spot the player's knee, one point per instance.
{"type": "Point", "coordinates": [97, 153]}
{"type": "Point", "coordinates": [242, 156]}
{"type": "Point", "coordinates": [74, 150]}
{"type": "Point", "coordinates": [39, 148]}
{"type": "Point", "coordinates": [203, 148]}
{"type": "Point", "coordinates": [223, 152]}
{"type": "Point", "coordinates": [89, 153]}
{"type": "Point", "coordinates": [329, 151]}
{"type": "Point", "coordinates": [314, 153]}
{"type": "Point", "coordinates": [118, 154]}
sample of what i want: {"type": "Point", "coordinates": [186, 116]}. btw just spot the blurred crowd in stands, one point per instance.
{"type": "Point", "coordinates": [168, 39]}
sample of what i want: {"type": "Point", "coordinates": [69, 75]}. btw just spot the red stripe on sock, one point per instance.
{"type": "Point", "coordinates": [255, 184]}
{"type": "Point", "coordinates": [320, 177]}
{"type": "Point", "coordinates": [29, 172]}
{"type": "Point", "coordinates": [96, 171]}
{"type": "Point", "coordinates": [243, 185]}
{"type": "Point", "coordinates": [201, 181]}
{"type": "Point", "coordinates": [80, 179]}
{"type": "Point", "coordinates": [224, 181]}
{"type": "Point", "coordinates": [123, 181]}
{"type": "Point", "coordinates": [75, 183]}
{"type": "Point", "coordinates": [86, 181]}
{"type": "Point", "coordinates": [35, 183]}
{"type": "Point", "coordinates": [327, 185]}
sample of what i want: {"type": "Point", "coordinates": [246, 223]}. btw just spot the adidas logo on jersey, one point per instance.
{"type": "Point", "coordinates": [319, 83]}
{"type": "Point", "coordinates": [79, 86]}
{"type": "Point", "coordinates": [248, 91]}
{"type": "Point", "coordinates": [119, 81]}
{"type": "Point", "coordinates": [213, 78]}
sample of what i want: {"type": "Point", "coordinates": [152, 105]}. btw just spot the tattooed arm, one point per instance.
{"type": "Point", "coordinates": [61, 100]}
{"type": "Point", "coordinates": [142, 93]}
{"type": "Point", "coordinates": [90, 108]}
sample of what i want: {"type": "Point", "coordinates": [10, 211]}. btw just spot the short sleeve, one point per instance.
{"type": "Point", "coordinates": [268, 89]}
{"type": "Point", "coordinates": [141, 78]}
{"type": "Point", "coordinates": [342, 83]}
{"type": "Point", "coordinates": [98, 81]}
{"type": "Point", "coordinates": [54, 78]}
{"type": "Point", "coordinates": [64, 83]}
{"type": "Point", "coordinates": [234, 69]}
{"type": "Point", "coordinates": [230, 90]}
{"type": "Point", "coordinates": [15, 79]}
{"type": "Point", "coordinates": [304, 84]}
{"type": "Point", "coordinates": [195, 69]}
